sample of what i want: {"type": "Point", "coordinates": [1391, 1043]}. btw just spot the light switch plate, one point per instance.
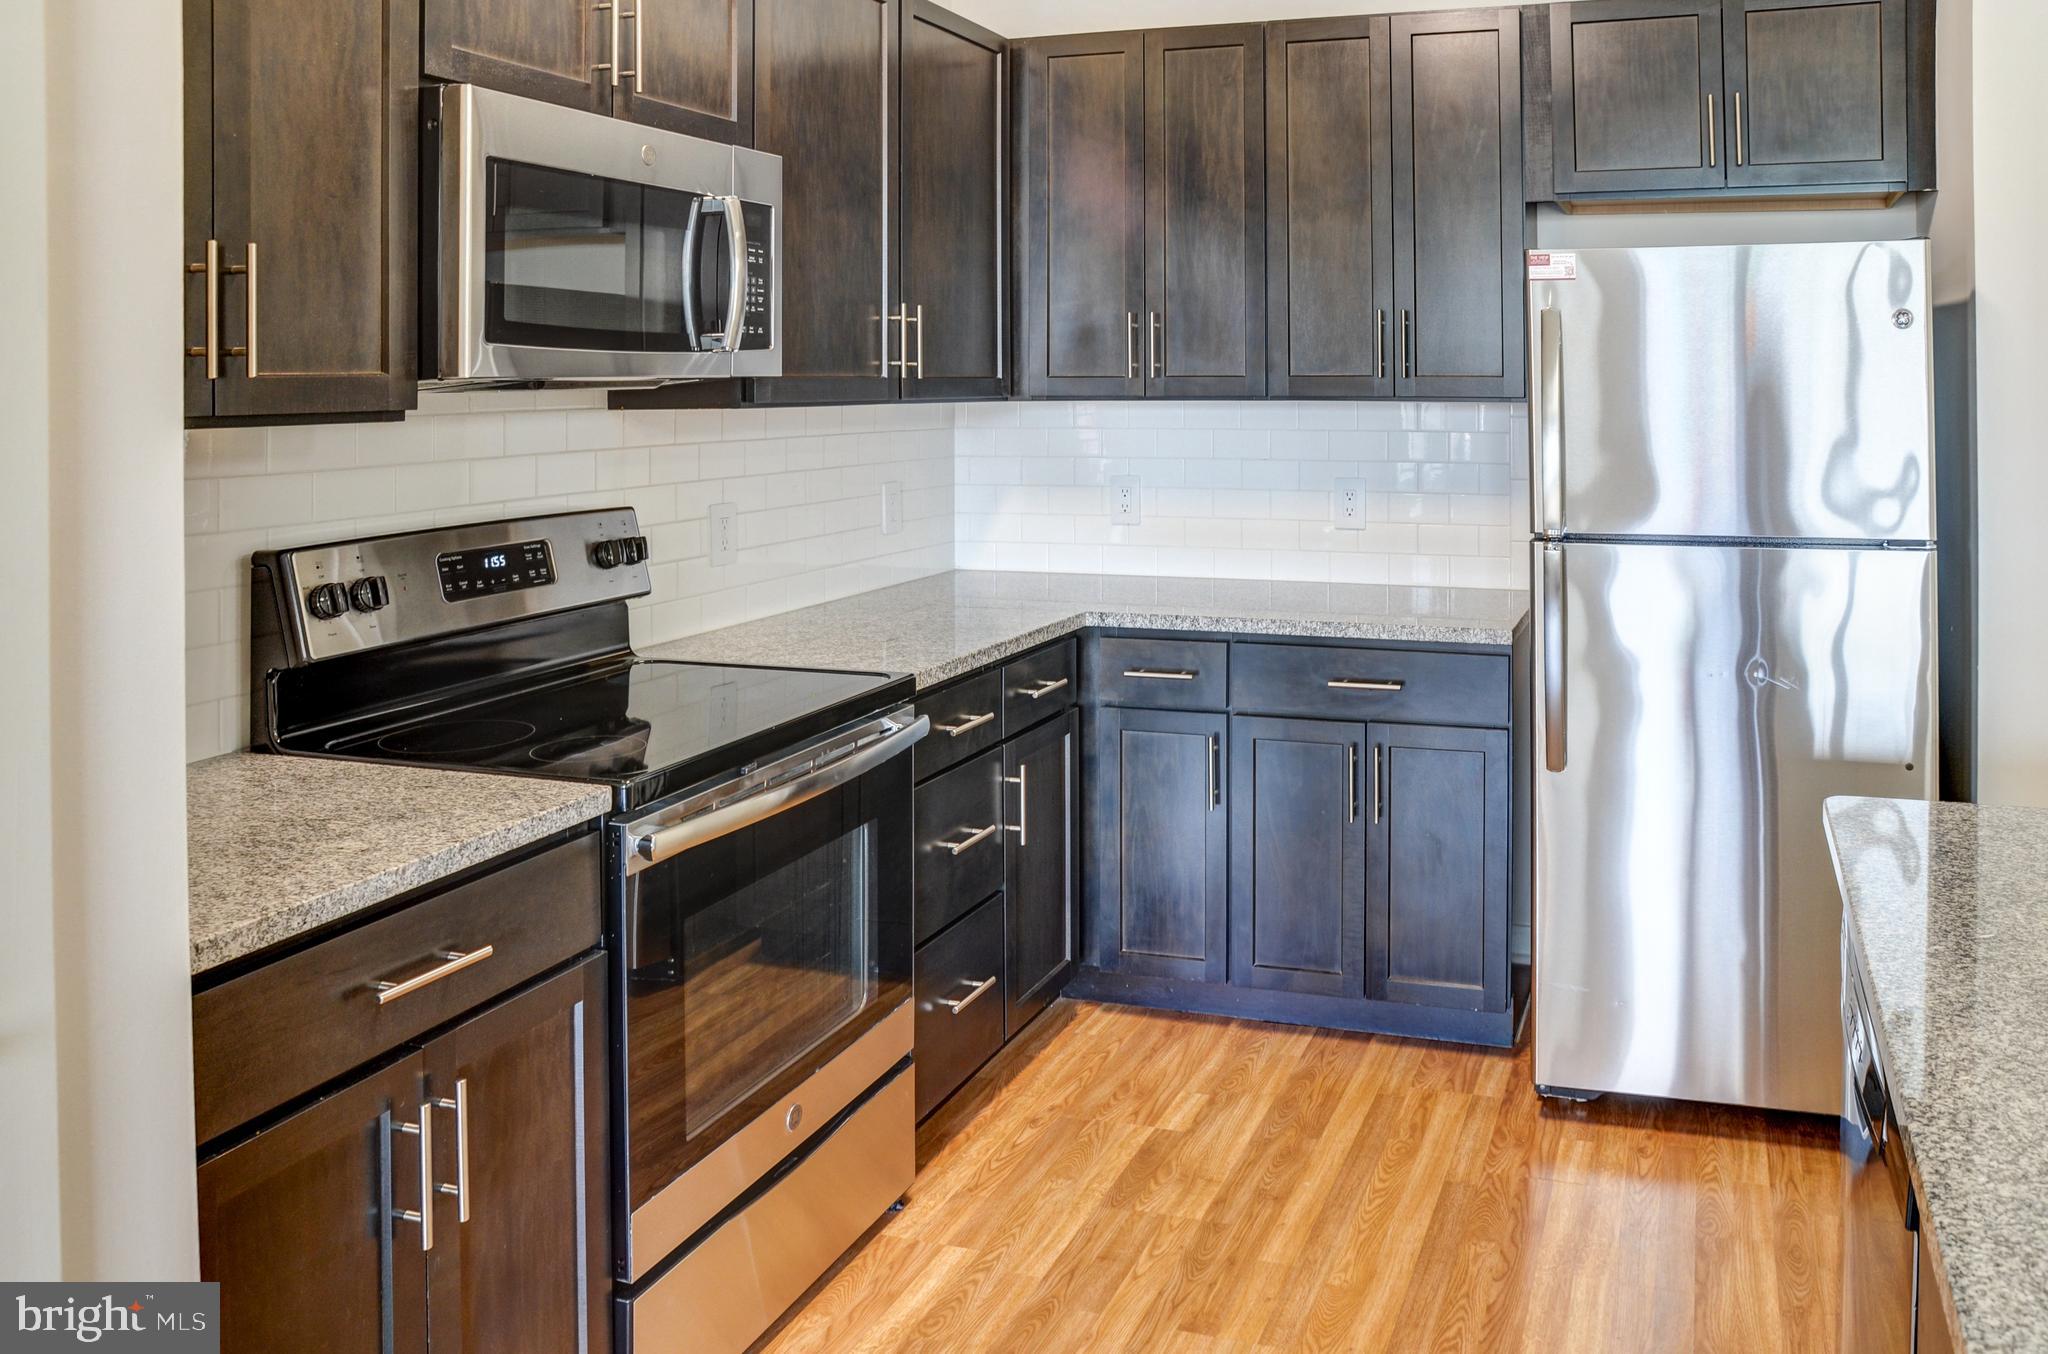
{"type": "Point", "coordinates": [1126, 500]}
{"type": "Point", "coordinates": [725, 533]}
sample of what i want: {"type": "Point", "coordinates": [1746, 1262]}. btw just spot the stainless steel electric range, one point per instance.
{"type": "Point", "coordinates": [758, 910]}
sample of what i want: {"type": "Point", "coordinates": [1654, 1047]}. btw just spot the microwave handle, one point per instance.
{"type": "Point", "coordinates": [736, 298]}
{"type": "Point", "coordinates": [657, 844]}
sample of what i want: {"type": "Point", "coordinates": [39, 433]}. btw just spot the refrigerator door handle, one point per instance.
{"type": "Point", "coordinates": [1553, 657]}
{"type": "Point", "coordinates": [1549, 449]}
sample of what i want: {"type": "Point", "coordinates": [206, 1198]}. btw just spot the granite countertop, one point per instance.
{"type": "Point", "coordinates": [1948, 907]}
{"type": "Point", "coordinates": [952, 623]}
{"type": "Point", "coordinates": [279, 845]}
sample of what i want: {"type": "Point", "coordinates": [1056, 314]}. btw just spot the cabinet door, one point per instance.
{"type": "Point", "coordinates": [1635, 95]}
{"type": "Point", "coordinates": [1329, 225]}
{"type": "Point", "coordinates": [691, 65]}
{"type": "Point", "coordinates": [1297, 857]}
{"type": "Point", "coordinates": [1040, 865]}
{"type": "Point", "coordinates": [557, 50]}
{"type": "Point", "coordinates": [952, 204]}
{"type": "Point", "coordinates": [1437, 867]}
{"type": "Point", "coordinates": [315, 182]}
{"type": "Point", "coordinates": [1158, 839]}
{"type": "Point", "coordinates": [1205, 216]}
{"type": "Point", "coordinates": [300, 1225]}
{"type": "Point", "coordinates": [518, 1099]}
{"type": "Point", "coordinates": [1458, 213]}
{"type": "Point", "coordinates": [1081, 194]}
{"type": "Point", "coordinates": [824, 89]}
{"type": "Point", "coordinates": [1817, 91]}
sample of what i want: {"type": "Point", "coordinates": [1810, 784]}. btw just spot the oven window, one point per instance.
{"type": "Point", "coordinates": [579, 261]}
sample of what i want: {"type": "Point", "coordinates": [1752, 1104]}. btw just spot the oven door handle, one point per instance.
{"type": "Point", "coordinates": [658, 844]}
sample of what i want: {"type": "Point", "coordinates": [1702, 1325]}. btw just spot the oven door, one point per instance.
{"type": "Point", "coordinates": [765, 936]}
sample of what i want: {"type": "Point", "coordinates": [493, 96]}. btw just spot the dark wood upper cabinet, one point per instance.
{"type": "Point", "coordinates": [1437, 903]}
{"type": "Point", "coordinates": [1080, 253]}
{"type": "Point", "coordinates": [1158, 840]}
{"type": "Point", "coordinates": [1205, 227]}
{"type": "Point", "coordinates": [520, 1244]}
{"type": "Point", "coordinates": [1041, 864]}
{"type": "Point", "coordinates": [1329, 216]}
{"type": "Point", "coordinates": [824, 95]}
{"type": "Point", "coordinates": [303, 185]}
{"type": "Point", "coordinates": [1636, 96]}
{"type": "Point", "coordinates": [557, 50]}
{"type": "Point", "coordinates": [301, 1223]}
{"type": "Point", "coordinates": [1297, 856]}
{"type": "Point", "coordinates": [689, 67]}
{"type": "Point", "coordinates": [953, 205]}
{"type": "Point", "coordinates": [1458, 213]}
{"type": "Point", "coordinates": [1817, 91]}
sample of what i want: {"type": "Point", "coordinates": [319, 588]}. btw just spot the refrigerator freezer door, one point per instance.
{"type": "Point", "coordinates": [1686, 914]}
{"type": "Point", "coordinates": [1753, 391]}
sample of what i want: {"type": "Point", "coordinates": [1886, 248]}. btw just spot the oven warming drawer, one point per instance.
{"type": "Point", "coordinates": [731, 1286]}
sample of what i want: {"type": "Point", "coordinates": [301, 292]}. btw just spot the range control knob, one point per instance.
{"type": "Point", "coordinates": [633, 549]}
{"type": "Point", "coordinates": [605, 555]}
{"type": "Point", "coordinates": [328, 601]}
{"type": "Point", "coordinates": [370, 594]}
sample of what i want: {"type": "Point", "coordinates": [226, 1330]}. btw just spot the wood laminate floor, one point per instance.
{"type": "Point", "coordinates": [1122, 1179]}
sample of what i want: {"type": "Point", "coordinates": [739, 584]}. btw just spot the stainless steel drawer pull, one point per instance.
{"type": "Point", "coordinates": [1351, 782]}
{"type": "Point", "coordinates": [460, 1104]}
{"type": "Point", "coordinates": [1162, 674]}
{"type": "Point", "coordinates": [1022, 780]}
{"type": "Point", "coordinates": [1131, 344]}
{"type": "Point", "coordinates": [918, 320]}
{"type": "Point", "coordinates": [612, 65]}
{"type": "Point", "coordinates": [1365, 684]}
{"type": "Point", "coordinates": [1045, 688]}
{"type": "Point", "coordinates": [424, 1214]}
{"type": "Point", "coordinates": [1215, 773]}
{"type": "Point", "coordinates": [958, 1004]}
{"type": "Point", "coordinates": [974, 838]}
{"type": "Point", "coordinates": [967, 725]}
{"type": "Point", "coordinates": [453, 961]}
{"type": "Point", "coordinates": [247, 350]}
{"type": "Point", "coordinates": [211, 350]}
{"type": "Point", "coordinates": [1379, 792]}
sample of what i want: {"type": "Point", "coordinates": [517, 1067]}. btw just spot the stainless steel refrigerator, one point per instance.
{"type": "Point", "coordinates": [1732, 569]}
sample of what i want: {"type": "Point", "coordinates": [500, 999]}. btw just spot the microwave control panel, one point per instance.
{"type": "Point", "coordinates": [758, 323]}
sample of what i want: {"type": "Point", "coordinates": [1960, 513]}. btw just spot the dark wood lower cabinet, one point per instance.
{"type": "Point", "coordinates": [1042, 771]}
{"type": "Point", "coordinates": [299, 1224]}
{"type": "Point", "coordinates": [1297, 856]}
{"type": "Point", "coordinates": [1437, 906]}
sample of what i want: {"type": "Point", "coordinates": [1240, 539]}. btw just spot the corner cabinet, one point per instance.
{"type": "Point", "coordinates": [301, 221]}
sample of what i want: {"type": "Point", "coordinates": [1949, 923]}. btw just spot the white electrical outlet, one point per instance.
{"type": "Point", "coordinates": [1126, 494]}
{"type": "Point", "coordinates": [1347, 507]}
{"type": "Point", "coordinates": [725, 533]}
{"type": "Point", "coordinates": [892, 507]}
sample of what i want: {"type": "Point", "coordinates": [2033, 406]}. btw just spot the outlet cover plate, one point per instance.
{"type": "Point", "coordinates": [892, 507]}
{"type": "Point", "coordinates": [725, 533]}
{"type": "Point", "coordinates": [1126, 501]}
{"type": "Point", "coordinates": [1347, 505]}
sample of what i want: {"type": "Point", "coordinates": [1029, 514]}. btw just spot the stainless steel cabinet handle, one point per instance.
{"type": "Point", "coordinates": [424, 1214]}
{"type": "Point", "coordinates": [1738, 127]}
{"type": "Point", "coordinates": [902, 362]}
{"type": "Point", "coordinates": [1710, 131]}
{"type": "Point", "coordinates": [1553, 657]}
{"type": "Point", "coordinates": [958, 1004]}
{"type": "Point", "coordinates": [211, 350]}
{"type": "Point", "coordinates": [967, 725]}
{"type": "Point", "coordinates": [460, 1104]}
{"type": "Point", "coordinates": [1022, 780]}
{"type": "Point", "coordinates": [639, 45]}
{"type": "Point", "coordinates": [1549, 447]}
{"type": "Point", "coordinates": [606, 6]}
{"type": "Point", "coordinates": [1044, 688]}
{"type": "Point", "coordinates": [248, 349]}
{"type": "Point", "coordinates": [453, 961]}
{"type": "Point", "coordinates": [1131, 343]}
{"type": "Point", "coordinates": [1379, 344]}
{"type": "Point", "coordinates": [1162, 674]}
{"type": "Point", "coordinates": [1155, 339]}
{"type": "Point", "coordinates": [1407, 366]}
{"type": "Point", "coordinates": [1350, 782]}
{"type": "Point", "coordinates": [1379, 794]}
{"type": "Point", "coordinates": [918, 320]}
{"type": "Point", "coordinates": [1364, 684]}
{"type": "Point", "coordinates": [1215, 773]}
{"type": "Point", "coordinates": [974, 838]}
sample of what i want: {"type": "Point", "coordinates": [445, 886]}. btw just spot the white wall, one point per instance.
{"type": "Point", "coordinates": [807, 484]}
{"type": "Point", "coordinates": [95, 1016]}
{"type": "Point", "coordinates": [2011, 281]}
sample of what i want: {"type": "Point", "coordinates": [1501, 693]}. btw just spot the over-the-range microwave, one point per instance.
{"type": "Point", "coordinates": [570, 248]}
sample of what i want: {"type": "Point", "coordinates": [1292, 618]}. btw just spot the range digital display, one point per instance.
{"type": "Point", "coordinates": [492, 569]}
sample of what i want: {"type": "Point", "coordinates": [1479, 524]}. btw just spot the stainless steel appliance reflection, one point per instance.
{"type": "Point", "coordinates": [1735, 616]}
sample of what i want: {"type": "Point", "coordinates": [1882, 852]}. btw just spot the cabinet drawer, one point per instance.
{"type": "Point", "coordinates": [959, 825]}
{"type": "Point", "coordinates": [1160, 674]}
{"type": "Point", "coordinates": [1370, 684]}
{"type": "Point", "coordinates": [262, 1038]}
{"type": "Point", "coordinates": [967, 717]}
{"type": "Point", "coordinates": [1038, 686]}
{"type": "Point", "coordinates": [964, 967]}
